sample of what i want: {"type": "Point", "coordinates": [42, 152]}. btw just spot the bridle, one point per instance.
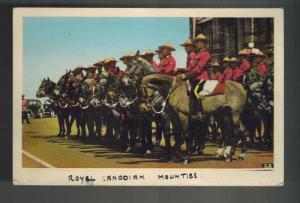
{"type": "Point", "coordinates": [158, 96]}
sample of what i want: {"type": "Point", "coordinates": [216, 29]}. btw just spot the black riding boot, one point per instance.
{"type": "Point", "coordinates": [196, 109]}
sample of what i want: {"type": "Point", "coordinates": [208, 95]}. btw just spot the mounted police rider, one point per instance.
{"type": "Point", "coordinates": [148, 56]}
{"type": "Point", "coordinates": [197, 71]}
{"type": "Point", "coordinates": [167, 63]}
{"type": "Point", "coordinates": [102, 81]}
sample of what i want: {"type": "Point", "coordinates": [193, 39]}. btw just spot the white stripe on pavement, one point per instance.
{"type": "Point", "coordinates": [37, 159]}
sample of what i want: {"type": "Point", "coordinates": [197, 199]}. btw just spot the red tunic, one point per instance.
{"type": "Point", "coordinates": [219, 76]}
{"type": "Point", "coordinates": [116, 72]}
{"type": "Point", "coordinates": [238, 74]}
{"type": "Point", "coordinates": [262, 69]}
{"type": "Point", "coordinates": [198, 64]}
{"type": "Point", "coordinates": [245, 66]}
{"type": "Point", "coordinates": [24, 105]}
{"type": "Point", "coordinates": [154, 64]}
{"type": "Point", "coordinates": [190, 58]}
{"type": "Point", "coordinates": [167, 65]}
{"type": "Point", "coordinates": [228, 73]}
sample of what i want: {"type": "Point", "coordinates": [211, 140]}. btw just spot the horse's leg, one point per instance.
{"type": "Point", "coordinates": [203, 131]}
{"type": "Point", "coordinates": [98, 122]}
{"type": "Point", "coordinates": [126, 130]}
{"type": "Point", "coordinates": [165, 121]}
{"type": "Point", "coordinates": [214, 129]}
{"type": "Point", "coordinates": [177, 130]}
{"type": "Point", "coordinates": [71, 121]}
{"type": "Point", "coordinates": [118, 128]}
{"type": "Point", "coordinates": [83, 124]}
{"type": "Point", "coordinates": [60, 122]}
{"type": "Point", "coordinates": [68, 124]}
{"type": "Point", "coordinates": [267, 129]}
{"type": "Point", "coordinates": [228, 131]}
{"type": "Point", "coordinates": [147, 131]}
{"type": "Point", "coordinates": [158, 121]}
{"type": "Point", "coordinates": [187, 138]}
{"type": "Point", "coordinates": [65, 122]}
{"type": "Point", "coordinates": [115, 123]}
{"type": "Point", "coordinates": [259, 131]}
{"type": "Point", "coordinates": [242, 135]}
{"type": "Point", "coordinates": [109, 120]}
{"type": "Point", "coordinates": [78, 121]}
{"type": "Point", "coordinates": [134, 130]}
{"type": "Point", "coordinates": [90, 122]}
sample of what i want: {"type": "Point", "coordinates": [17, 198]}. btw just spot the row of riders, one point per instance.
{"type": "Point", "coordinates": [181, 102]}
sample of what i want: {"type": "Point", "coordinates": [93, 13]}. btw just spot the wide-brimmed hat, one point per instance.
{"type": "Point", "coordinates": [108, 60]}
{"type": "Point", "coordinates": [200, 37]}
{"type": "Point", "coordinates": [148, 52]}
{"type": "Point", "coordinates": [158, 51]}
{"type": "Point", "coordinates": [261, 54]}
{"type": "Point", "coordinates": [188, 42]}
{"type": "Point", "coordinates": [78, 69]}
{"type": "Point", "coordinates": [215, 64]}
{"type": "Point", "coordinates": [168, 46]}
{"type": "Point", "coordinates": [98, 63]}
{"type": "Point", "coordinates": [90, 68]}
{"type": "Point", "coordinates": [257, 52]}
{"type": "Point", "coordinates": [226, 59]}
{"type": "Point", "coordinates": [233, 59]}
{"type": "Point", "coordinates": [129, 54]}
{"type": "Point", "coordinates": [245, 52]}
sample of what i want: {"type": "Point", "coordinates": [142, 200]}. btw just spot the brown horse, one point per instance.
{"type": "Point", "coordinates": [229, 105]}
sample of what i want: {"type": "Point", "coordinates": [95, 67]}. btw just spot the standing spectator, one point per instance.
{"type": "Point", "coordinates": [24, 109]}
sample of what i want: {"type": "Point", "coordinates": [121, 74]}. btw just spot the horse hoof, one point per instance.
{"type": "Point", "coordinates": [148, 153]}
{"type": "Point", "coordinates": [185, 162]}
{"type": "Point", "coordinates": [172, 160]}
{"type": "Point", "coordinates": [227, 152]}
{"type": "Point", "coordinates": [129, 149]}
{"type": "Point", "coordinates": [242, 156]}
{"type": "Point", "coordinates": [227, 160]}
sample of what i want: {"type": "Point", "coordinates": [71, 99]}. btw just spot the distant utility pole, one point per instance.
{"type": "Point", "coordinates": [193, 27]}
{"type": "Point", "coordinates": [252, 30]}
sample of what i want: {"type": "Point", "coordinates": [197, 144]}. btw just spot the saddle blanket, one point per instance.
{"type": "Point", "coordinates": [209, 88]}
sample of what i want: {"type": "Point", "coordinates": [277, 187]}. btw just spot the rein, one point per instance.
{"type": "Point", "coordinates": [128, 103]}
{"type": "Point", "coordinates": [111, 105]}
{"type": "Point", "coordinates": [61, 106]}
{"type": "Point", "coordinates": [164, 103]}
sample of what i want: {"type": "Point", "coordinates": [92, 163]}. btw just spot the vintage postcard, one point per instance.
{"type": "Point", "coordinates": [149, 97]}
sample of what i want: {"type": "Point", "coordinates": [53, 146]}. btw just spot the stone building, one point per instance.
{"type": "Point", "coordinates": [226, 36]}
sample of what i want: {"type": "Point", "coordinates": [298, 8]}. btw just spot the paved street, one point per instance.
{"type": "Point", "coordinates": [42, 148]}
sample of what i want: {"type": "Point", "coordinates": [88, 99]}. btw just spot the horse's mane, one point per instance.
{"type": "Point", "coordinates": [163, 82]}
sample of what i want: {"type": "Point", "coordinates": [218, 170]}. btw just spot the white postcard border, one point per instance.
{"type": "Point", "coordinates": [198, 177]}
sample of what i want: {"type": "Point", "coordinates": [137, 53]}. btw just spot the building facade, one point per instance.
{"type": "Point", "coordinates": [226, 36]}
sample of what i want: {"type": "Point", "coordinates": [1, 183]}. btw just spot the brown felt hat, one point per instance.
{"type": "Point", "coordinates": [168, 46]}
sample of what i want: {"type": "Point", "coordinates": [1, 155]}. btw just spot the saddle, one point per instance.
{"type": "Point", "coordinates": [208, 88]}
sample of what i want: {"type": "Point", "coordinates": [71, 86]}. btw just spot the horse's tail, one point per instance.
{"type": "Point", "coordinates": [247, 112]}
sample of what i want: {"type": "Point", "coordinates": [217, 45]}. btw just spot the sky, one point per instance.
{"type": "Point", "coordinates": [54, 44]}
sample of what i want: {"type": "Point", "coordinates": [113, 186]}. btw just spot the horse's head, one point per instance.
{"type": "Point", "coordinates": [154, 90]}
{"type": "Point", "coordinates": [146, 95]}
{"type": "Point", "coordinates": [45, 88]}
{"type": "Point", "coordinates": [111, 95]}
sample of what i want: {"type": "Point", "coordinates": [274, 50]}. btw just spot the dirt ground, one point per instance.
{"type": "Point", "coordinates": [40, 140]}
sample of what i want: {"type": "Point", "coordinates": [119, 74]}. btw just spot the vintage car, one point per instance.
{"type": "Point", "coordinates": [48, 109]}
{"type": "Point", "coordinates": [38, 110]}
{"type": "Point", "coordinates": [35, 109]}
